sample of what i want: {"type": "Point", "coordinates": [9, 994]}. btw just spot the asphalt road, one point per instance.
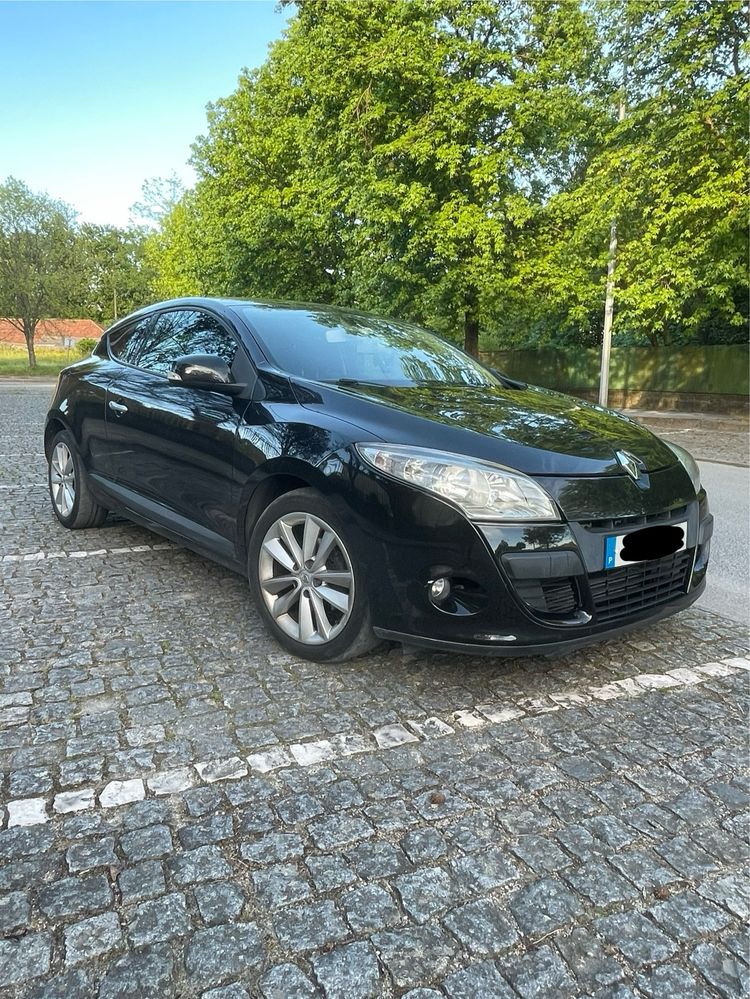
{"type": "Point", "coordinates": [728, 586]}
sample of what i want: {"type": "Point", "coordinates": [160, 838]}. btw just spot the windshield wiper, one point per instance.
{"type": "Point", "coordinates": [351, 382]}
{"type": "Point", "coordinates": [507, 381]}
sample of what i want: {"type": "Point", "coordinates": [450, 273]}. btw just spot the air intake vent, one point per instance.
{"type": "Point", "coordinates": [632, 588]}
{"type": "Point", "coordinates": [626, 523]}
{"type": "Point", "coordinates": [549, 596]}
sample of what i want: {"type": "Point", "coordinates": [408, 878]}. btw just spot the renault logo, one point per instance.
{"type": "Point", "coordinates": [631, 465]}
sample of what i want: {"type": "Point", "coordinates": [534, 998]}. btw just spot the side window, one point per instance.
{"type": "Point", "coordinates": [184, 331]}
{"type": "Point", "coordinates": [124, 342]}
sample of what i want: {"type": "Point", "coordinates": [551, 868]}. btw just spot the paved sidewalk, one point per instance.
{"type": "Point", "coordinates": [188, 811]}
{"type": "Point", "coordinates": [708, 436]}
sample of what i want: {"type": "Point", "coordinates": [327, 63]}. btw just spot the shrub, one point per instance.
{"type": "Point", "coordinates": [85, 346]}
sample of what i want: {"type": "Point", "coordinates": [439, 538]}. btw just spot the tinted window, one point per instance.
{"type": "Point", "coordinates": [332, 345]}
{"type": "Point", "coordinates": [184, 331]}
{"type": "Point", "coordinates": [123, 343]}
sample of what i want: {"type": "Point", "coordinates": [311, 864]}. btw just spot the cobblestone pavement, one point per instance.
{"type": "Point", "coordinates": [189, 811]}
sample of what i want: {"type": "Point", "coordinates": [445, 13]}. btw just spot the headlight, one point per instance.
{"type": "Point", "coordinates": [482, 490]}
{"type": "Point", "coordinates": [688, 462]}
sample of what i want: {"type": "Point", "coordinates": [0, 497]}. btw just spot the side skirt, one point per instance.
{"type": "Point", "coordinates": [159, 518]}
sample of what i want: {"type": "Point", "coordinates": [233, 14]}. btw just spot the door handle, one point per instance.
{"type": "Point", "coordinates": [117, 406]}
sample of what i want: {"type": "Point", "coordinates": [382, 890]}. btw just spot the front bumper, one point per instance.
{"type": "Point", "coordinates": [535, 589]}
{"type": "Point", "coordinates": [553, 645]}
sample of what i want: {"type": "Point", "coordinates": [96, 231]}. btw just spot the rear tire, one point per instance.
{"type": "Point", "coordinates": [72, 500]}
{"type": "Point", "coordinates": [307, 582]}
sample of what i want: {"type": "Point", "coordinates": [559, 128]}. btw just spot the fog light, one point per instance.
{"type": "Point", "coordinates": [440, 589]}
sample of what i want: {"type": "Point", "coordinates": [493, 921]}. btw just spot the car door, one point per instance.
{"type": "Point", "coordinates": [121, 346]}
{"type": "Point", "coordinates": [172, 446]}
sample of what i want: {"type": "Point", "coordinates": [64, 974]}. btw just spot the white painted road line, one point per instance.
{"type": "Point", "coordinates": [98, 553]}
{"type": "Point", "coordinates": [33, 811]}
{"type": "Point", "coordinates": [27, 485]}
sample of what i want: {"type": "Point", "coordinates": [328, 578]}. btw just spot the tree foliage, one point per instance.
{"type": "Point", "coordinates": [38, 273]}
{"type": "Point", "coordinates": [459, 163]}
{"type": "Point", "coordinates": [116, 276]}
{"type": "Point", "coordinates": [159, 195]}
{"type": "Point", "coordinates": [53, 268]}
{"type": "Point", "coordinates": [673, 174]}
{"type": "Point", "coordinates": [85, 346]}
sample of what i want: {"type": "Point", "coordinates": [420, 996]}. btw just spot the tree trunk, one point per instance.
{"type": "Point", "coordinates": [29, 329]}
{"type": "Point", "coordinates": [471, 327]}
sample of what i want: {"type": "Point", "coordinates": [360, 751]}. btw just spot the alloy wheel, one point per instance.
{"type": "Point", "coordinates": [306, 578]}
{"type": "Point", "coordinates": [62, 477]}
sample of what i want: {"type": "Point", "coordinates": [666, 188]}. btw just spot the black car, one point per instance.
{"type": "Point", "coordinates": [375, 482]}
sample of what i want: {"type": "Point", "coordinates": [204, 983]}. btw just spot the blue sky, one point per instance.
{"type": "Point", "coordinates": [97, 97]}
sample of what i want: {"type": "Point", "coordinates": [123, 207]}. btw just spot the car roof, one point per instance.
{"type": "Point", "coordinates": [250, 306]}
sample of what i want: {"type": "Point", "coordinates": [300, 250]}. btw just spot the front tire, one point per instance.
{"type": "Point", "coordinates": [72, 500]}
{"type": "Point", "coordinates": [307, 582]}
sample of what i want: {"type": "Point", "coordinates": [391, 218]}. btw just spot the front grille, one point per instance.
{"type": "Point", "coordinates": [632, 588]}
{"type": "Point", "coordinates": [637, 520]}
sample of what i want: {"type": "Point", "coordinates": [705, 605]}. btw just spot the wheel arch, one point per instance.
{"type": "Point", "coordinates": [53, 427]}
{"type": "Point", "coordinates": [275, 482]}
{"type": "Point", "coordinates": [281, 475]}
{"type": "Point", "coordinates": [322, 501]}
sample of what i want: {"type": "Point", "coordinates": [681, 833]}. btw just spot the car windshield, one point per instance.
{"type": "Point", "coordinates": [347, 347]}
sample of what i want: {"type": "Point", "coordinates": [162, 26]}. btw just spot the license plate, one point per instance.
{"type": "Point", "coordinates": [644, 545]}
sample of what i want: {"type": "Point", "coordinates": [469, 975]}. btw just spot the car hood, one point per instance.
{"type": "Point", "coordinates": [535, 430]}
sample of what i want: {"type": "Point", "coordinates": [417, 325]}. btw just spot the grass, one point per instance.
{"type": "Point", "coordinates": [14, 361]}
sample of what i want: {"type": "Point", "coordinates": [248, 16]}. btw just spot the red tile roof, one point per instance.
{"type": "Point", "coordinates": [52, 332]}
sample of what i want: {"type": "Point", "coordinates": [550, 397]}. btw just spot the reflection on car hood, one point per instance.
{"type": "Point", "coordinates": [542, 432]}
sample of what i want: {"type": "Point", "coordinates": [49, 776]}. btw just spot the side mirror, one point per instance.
{"type": "Point", "coordinates": [204, 371]}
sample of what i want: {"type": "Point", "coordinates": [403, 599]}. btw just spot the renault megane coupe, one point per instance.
{"type": "Point", "coordinates": [374, 482]}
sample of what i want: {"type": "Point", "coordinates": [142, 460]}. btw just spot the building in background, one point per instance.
{"type": "Point", "coordinates": [60, 334]}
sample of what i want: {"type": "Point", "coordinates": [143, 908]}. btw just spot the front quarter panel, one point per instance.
{"type": "Point", "coordinates": [400, 534]}
{"type": "Point", "coordinates": [279, 437]}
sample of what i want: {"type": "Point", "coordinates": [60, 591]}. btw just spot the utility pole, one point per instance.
{"type": "Point", "coordinates": [114, 304]}
{"type": "Point", "coordinates": [609, 295]}
{"type": "Point", "coordinates": [609, 311]}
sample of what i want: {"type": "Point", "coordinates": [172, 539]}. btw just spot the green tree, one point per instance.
{"type": "Point", "coordinates": [673, 174]}
{"type": "Point", "coordinates": [176, 255]}
{"type": "Point", "coordinates": [116, 277]}
{"type": "Point", "coordinates": [39, 274]}
{"type": "Point", "coordinates": [262, 219]}
{"type": "Point", "coordinates": [451, 121]}
{"type": "Point", "coordinates": [159, 195]}
{"type": "Point", "coordinates": [460, 164]}
{"type": "Point", "coordinates": [85, 346]}
{"type": "Point", "coordinates": [385, 155]}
